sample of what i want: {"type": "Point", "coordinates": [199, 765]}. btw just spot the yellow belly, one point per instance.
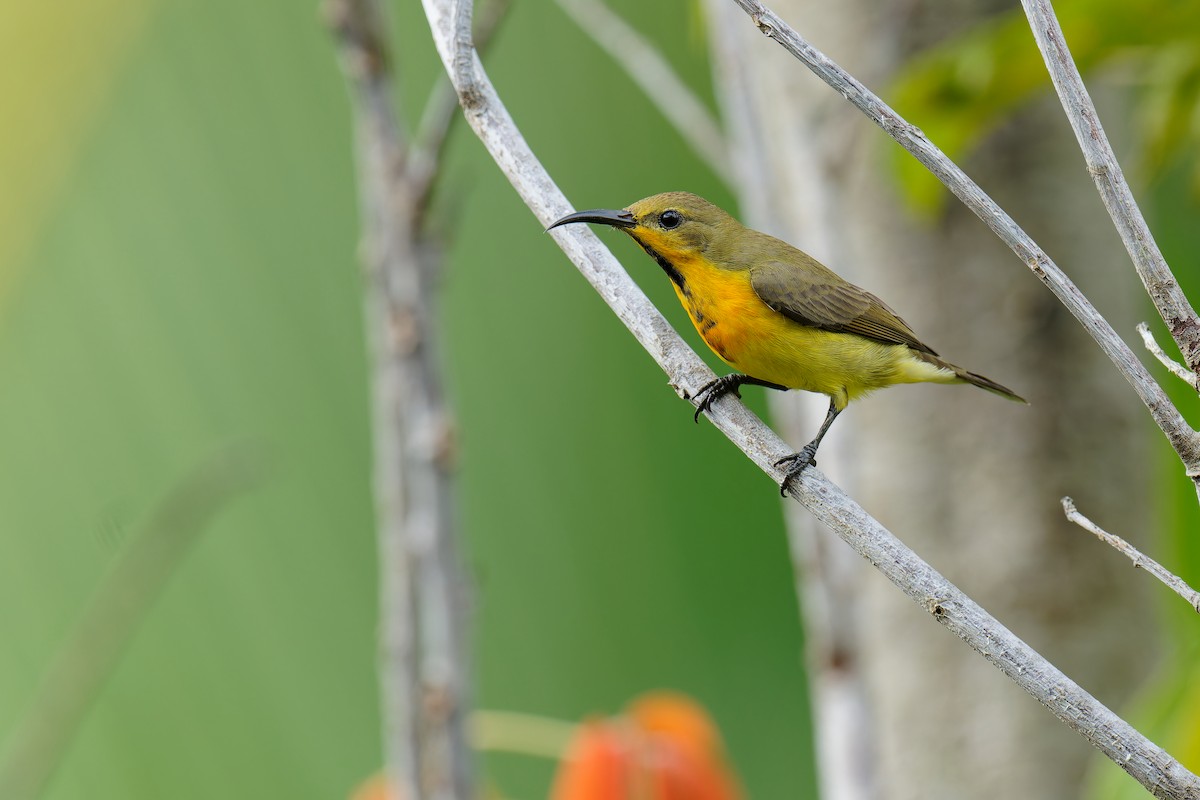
{"type": "Point", "coordinates": [746, 334]}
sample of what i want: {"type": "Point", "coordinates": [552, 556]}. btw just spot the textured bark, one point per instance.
{"type": "Point", "coordinates": [931, 461]}
{"type": "Point", "coordinates": [424, 659]}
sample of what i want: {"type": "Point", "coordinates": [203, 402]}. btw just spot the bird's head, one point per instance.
{"type": "Point", "coordinates": [672, 225]}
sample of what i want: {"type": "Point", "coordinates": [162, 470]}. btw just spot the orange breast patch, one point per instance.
{"type": "Point", "coordinates": [723, 307]}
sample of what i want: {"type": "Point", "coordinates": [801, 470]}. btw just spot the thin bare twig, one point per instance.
{"type": "Point", "coordinates": [1184, 440]}
{"type": "Point", "coordinates": [1160, 283]}
{"type": "Point", "coordinates": [1129, 749]}
{"type": "Point", "coordinates": [1140, 560]}
{"type": "Point", "coordinates": [423, 659]}
{"type": "Point", "coordinates": [91, 651]}
{"type": "Point", "coordinates": [1178, 370]}
{"type": "Point", "coordinates": [646, 67]}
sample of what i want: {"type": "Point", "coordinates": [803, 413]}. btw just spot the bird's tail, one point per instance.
{"type": "Point", "coordinates": [987, 383]}
{"type": "Point", "coordinates": [974, 378]}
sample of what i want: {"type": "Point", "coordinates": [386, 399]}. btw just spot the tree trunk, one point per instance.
{"type": "Point", "coordinates": [970, 481]}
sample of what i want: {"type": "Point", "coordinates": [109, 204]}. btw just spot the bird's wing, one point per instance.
{"type": "Point", "coordinates": [813, 295]}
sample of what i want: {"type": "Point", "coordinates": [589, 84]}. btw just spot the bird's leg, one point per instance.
{"type": "Point", "coordinates": [724, 385]}
{"type": "Point", "coordinates": [798, 462]}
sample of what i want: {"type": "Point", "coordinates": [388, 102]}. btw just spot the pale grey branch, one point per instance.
{"type": "Point", "coordinates": [1178, 370]}
{"type": "Point", "coordinates": [424, 154]}
{"type": "Point", "coordinates": [423, 651]}
{"type": "Point", "coordinates": [1140, 560]}
{"type": "Point", "coordinates": [379, 151]}
{"type": "Point", "coordinates": [464, 46]}
{"type": "Point", "coordinates": [646, 67]}
{"type": "Point", "coordinates": [1184, 440]}
{"type": "Point", "coordinates": [1128, 748]}
{"type": "Point", "coordinates": [1160, 283]}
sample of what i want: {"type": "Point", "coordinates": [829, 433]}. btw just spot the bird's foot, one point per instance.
{"type": "Point", "coordinates": [714, 390]}
{"type": "Point", "coordinates": [794, 464]}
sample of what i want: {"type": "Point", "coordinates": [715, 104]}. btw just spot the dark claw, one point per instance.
{"type": "Point", "coordinates": [714, 390]}
{"type": "Point", "coordinates": [795, 464]}
{"type": "Point", "coordinates": [727, 384]}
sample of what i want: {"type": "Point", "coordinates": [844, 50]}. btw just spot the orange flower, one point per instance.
{"type": "Point", "coordinates": [664, 747]}
{"type": "Point", "coordinates": [376, 787]}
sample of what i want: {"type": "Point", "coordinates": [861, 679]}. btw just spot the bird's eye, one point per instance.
{"type": "Point", "coordinates": [670, 219]}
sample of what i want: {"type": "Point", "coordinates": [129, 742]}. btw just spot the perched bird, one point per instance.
{"type": "Point", "coordinates": [776, 314]}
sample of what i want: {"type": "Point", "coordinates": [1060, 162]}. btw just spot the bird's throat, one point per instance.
{"type": "Point", "coordinates": [674, 274]}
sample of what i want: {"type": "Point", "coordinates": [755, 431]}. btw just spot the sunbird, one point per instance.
{"type": "Point", "coordinates": [776, 314]}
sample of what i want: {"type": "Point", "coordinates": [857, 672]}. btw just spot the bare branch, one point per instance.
{"type": "Point", "coordinates": [1160, 283]}
{"type": "Point", "coordinates": [1118, 740]}
{"type": "Point", "coordinates": [437, 118]}
{"type": "Point", "coordinates": [646, 67]}
{"type": "Point", "coordinates": [1178, 370]}
{"type": "Point", "coordinates": [380, 153]}
{"type": "Point", "coordinates": [463, 78]}
{"type": "Point", "coordinates": [1140, 560]}
{"type": "Point", "coordinates": [92, 649]}
{"type": "Point", "coordinates": [423, 659]}
{"type": "Point", "coordinates": [1184, 440]}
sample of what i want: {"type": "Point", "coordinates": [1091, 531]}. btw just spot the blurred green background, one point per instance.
{"type": "Point", "coordinates": [178, 272]}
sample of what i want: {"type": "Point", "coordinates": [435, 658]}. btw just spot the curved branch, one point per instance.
{"type": "Point", "coordinates": [424, 159]}
{"type": "Point", "coordinates": [1118, 740]}
{"type": "Point", "coordinates": [1184, 440]}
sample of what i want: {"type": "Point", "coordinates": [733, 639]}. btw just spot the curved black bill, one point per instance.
{"type": "Point", "coordinates": [601, 216]}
